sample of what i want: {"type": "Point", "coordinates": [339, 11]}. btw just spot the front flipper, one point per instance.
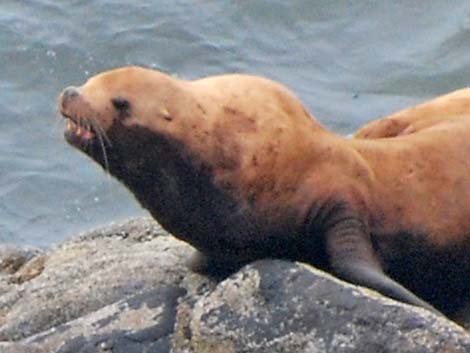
{"type": "Point", "coordinates": [216, 268]}
{"type": "Point", "coordinates": [352, 258]}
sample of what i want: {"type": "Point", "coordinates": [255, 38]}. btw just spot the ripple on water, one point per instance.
{"type": "Point", "coordinates": [349, 61]}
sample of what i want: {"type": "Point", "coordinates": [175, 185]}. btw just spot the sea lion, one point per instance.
{"type": "Point", "coordinates": [444, 109]}
{"type": "Point", "coordinates": [236, 166]}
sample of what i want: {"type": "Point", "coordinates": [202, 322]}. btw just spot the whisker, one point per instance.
{"type": "Point", "coordinates": [91, 125]}
{"type": "Point", "coordinates": [102, 138]}
{"type": "Point", "coordinates": [103, 149]}
{"type": "Point", "coordinates": [100, 131]}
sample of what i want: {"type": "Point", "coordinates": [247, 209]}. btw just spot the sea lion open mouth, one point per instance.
{"type": "Point", "coordinates": [79, 132]}
{"type": "Point", "coordinates": [88, 136]}
{"type": "Point", "coordinates": [81, 129]}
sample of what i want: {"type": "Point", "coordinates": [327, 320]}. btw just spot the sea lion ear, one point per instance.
{"type": "Point", "coordinates": [121, 104]}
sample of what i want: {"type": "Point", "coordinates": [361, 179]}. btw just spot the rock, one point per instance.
{"type": "Point", "coordinates": [13, 257]}
{"type": "Point", "coordinates": [276, 306]}
{"type": "Point", "coordinates": [15, 265]}
{"type": "Point", "coordinates": [125, 288]}
{"type": "Point", "coordinates": [82, 276]}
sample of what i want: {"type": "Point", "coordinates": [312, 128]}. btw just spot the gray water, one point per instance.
{"type": "Point", "coordinates": [349, 61]}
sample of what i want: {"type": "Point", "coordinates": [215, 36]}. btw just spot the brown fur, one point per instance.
{"type": "Point", "coordinates": [445, 109]}
{"type": "Point", "coordinates": [236, 166]}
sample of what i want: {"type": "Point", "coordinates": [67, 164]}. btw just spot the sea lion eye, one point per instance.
{"type": "Point", "coordinates": [121, 104]}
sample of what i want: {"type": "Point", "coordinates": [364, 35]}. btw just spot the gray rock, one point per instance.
{"type": "Point", "coordinates": [125, 288]}
{"type": "Point", "coordinates": [16, 265]}
{"type": "Point", "coordinates": [13, 257]}
{"type": "Point", "coordinates": [82, 276]}
{"type": "Point", "coordinates": [277, 306]}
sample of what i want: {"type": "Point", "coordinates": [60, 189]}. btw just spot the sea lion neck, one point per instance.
{"type": "Point", "coordinates": [168, 179]}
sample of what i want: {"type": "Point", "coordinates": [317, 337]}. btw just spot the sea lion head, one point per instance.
{"type": "Point", "coordinates": [136, 123]}
{"type": "Point", "coordinates": [117, 112]}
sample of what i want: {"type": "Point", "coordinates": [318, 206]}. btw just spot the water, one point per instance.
{"type": "Point", "coordinates": [349, 61]}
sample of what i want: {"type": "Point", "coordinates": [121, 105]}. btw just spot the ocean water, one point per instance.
{"type": "Point", "coordinates": [349, 61]}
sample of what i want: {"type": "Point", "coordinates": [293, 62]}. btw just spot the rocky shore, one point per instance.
{"type": "Point", "coordinates": [125, 289]}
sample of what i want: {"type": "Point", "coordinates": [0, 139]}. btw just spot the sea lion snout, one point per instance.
{"type": "Point", "coordinates": [68, 95]}
{"type": "Point", "coordinates": [81, 128]}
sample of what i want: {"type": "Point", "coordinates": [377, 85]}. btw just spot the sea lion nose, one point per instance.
{"type": "Point", "coordinates": [69, 94]}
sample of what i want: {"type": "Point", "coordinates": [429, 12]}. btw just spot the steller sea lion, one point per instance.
{"type": "Point", "coordinates": [236, 166]}
{"type": "Point", "coordinates": [444, 109]}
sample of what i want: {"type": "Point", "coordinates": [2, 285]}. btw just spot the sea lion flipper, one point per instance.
{"type": "Point", "coordinates": [352, 258]}
{"type": "Point", "coordinates": [364, 275]}
{"type": "Point", "coordinates": [216, 268]}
